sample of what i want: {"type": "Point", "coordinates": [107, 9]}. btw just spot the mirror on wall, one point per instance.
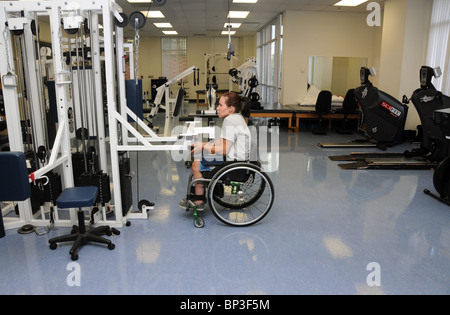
{"type": "Point", "coordinates": [335, 74]}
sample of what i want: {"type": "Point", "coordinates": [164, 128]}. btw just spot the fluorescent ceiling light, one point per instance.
{"type": "Point", "coordinates": [233, 25]}
{"type": "Point", "coordinates": [170, 32]}
{"type": "Point", "coordinates": [163, 25]}
{"type": "Point", "coordinates": [139, 1]}
{"type": "Point", "coordinates": [349, 3]}
{"type": "Point", "coordinates": [237, 14]}
{"type": "Point", "coordinates": [226, 32]}
{"type": "Point", "coordinates": [245, 1]}
{"type": "Point", "coordinates": [153, 14]}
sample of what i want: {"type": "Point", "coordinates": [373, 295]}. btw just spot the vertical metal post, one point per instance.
{"type": "Point", "coordinates": [122, 97]}
{"type": "Point", "coordinates": [11, 101]}
{"type": "Point", "coordinates": [32, 86]}
{"type": "Point", "coordinates": [62, 97]}
{"type": "Point", "coordinates": [108, 26]}
{"type": "Point", "coordinates": [97, 73]}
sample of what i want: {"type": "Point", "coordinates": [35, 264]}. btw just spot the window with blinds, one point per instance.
{"type": "Point", "coordinates": [438, 47]}
{"type": "Point", "coordinates": [174, 56]}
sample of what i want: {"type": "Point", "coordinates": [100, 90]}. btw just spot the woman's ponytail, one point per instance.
{"type": "Point", "coordinates": [246, 106]}
{"type": "Point", "coordinates": [240, 103]}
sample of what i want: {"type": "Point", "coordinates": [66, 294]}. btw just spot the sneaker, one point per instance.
{"type": "Point", "coordinates": [200, 206]}
{"type": "Point", "coordinates": [184, 204]}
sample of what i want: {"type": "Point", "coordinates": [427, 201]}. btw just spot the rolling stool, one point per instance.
{"type": "Point", "coordinates": [79, 197]}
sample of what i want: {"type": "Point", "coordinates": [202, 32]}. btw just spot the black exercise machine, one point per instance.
{"type": "Point", "coordinates": [441, 120]}
{"type": "Point", "coordinates": [384, 116]}
{"type": "Point", "coordinates": [434, 147]}
{"type": "Point", "coordinates": [427, 100]}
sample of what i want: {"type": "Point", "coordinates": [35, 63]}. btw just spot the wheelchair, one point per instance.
{"type": "Point", "coordinates": [238, 193]}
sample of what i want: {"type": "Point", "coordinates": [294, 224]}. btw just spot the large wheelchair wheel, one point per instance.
{"type": "Point", "coordinates": [240, 194]}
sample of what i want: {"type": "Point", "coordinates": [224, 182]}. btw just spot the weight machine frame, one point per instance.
{"type": "Point", "coordinates": [164, 91]}
{"type": "Point", "coordinates": [210, 62]}
{"type": "Point", "coordinates": [19, 15]}
{"type": "Point", "coordinates": [243, 74]}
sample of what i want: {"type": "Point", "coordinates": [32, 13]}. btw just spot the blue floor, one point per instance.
{"type": "Point", "coordinates": [330, 231]}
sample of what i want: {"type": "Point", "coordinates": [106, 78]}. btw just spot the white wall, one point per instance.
{"type": "Point", "coordinates": [403, 49]}
{"type": "Point", "coordinates": [333, 34]}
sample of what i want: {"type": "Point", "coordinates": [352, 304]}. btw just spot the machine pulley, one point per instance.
{"type": "Point", "coordinates": [124, 20]}
{"type": "Point", "coordinates": [137, 20]}
{"type": "Point", "coordinates": [159, 2]}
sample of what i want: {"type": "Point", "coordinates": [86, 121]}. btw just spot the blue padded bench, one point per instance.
{"type": "Point", "coordinates": [14, 183]}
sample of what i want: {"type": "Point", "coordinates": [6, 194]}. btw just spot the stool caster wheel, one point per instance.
{"type": "Point", "coordinates": [74, 256]}
{"type": "Point", "coordinates": [115, 231]}
{"type": "Point", "coordinates": [53, 246]}
{"type": "Point", "coordinates": [111, 246]}
{"type": "Point", "coordinates": [199, 222]}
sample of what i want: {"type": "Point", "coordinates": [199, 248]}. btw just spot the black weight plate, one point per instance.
{"type": "Point", "coordinates": [253, 82]}
{"type": "Point", "coordinates": [254, 96]}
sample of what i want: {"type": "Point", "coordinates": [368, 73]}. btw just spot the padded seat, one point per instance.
{"type": "Point", "coordinates": [80, 197]}
{"type": "Point", "coordinates": [323, 106]}
{"type": "Point", "coordinates": [76, 197]}
{"type": "Point", "coordinates": [14, 185]}
{"type": "Point", "coordinates": [349, 106]}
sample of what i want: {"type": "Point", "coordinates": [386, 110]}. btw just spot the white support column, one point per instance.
{"type": "Point", "coordinates": [11, 101]}
{"type": "Point", "coordinates": [121, 78]}
{"type": "Point", "coordinates": [108, 26]}
{"type": "Point", "coordinates": [97, 74]}
{"type": "Point", "coordinates": [33, 95]}
{"type": "Point", "coordinates": [62, 97]}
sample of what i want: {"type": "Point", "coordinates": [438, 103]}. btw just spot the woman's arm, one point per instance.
{"type": "Point", "coordinates": [220, 147]}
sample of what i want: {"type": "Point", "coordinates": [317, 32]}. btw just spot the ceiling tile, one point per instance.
{"type": "Point", "coordinates": [192, 17]}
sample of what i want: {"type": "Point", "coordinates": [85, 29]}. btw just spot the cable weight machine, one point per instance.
{"type": "Point", "coordinates": [27, 119]}
{"type": "Point", "coordinates": [106, 53]}
{"type": "Point", "coordinates": [61, 15]}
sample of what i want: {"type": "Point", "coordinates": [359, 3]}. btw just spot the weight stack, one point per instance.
{"type": "Point", "coordinates": [99, 179]}
{"type": "Point", "coordinates": [53, 188]}
{"type": "Point", "coordinates": [125, 184]}
{"type": "Point", "coordinates": [78, 166]}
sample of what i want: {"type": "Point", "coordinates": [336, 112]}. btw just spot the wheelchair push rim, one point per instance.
{"type": "Point", "coordinates": [240, 201]}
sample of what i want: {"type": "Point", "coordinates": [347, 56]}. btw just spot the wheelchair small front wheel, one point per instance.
{"type": "Point", "coordinates": [240, 194]}
{"type": "Point", "coordinates": [199, 222]}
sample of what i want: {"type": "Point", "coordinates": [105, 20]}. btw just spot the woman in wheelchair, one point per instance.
{"type": "Point", "coordinates": [239, 192]}
{"type": "Point", "coordinates": [234, 142]}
